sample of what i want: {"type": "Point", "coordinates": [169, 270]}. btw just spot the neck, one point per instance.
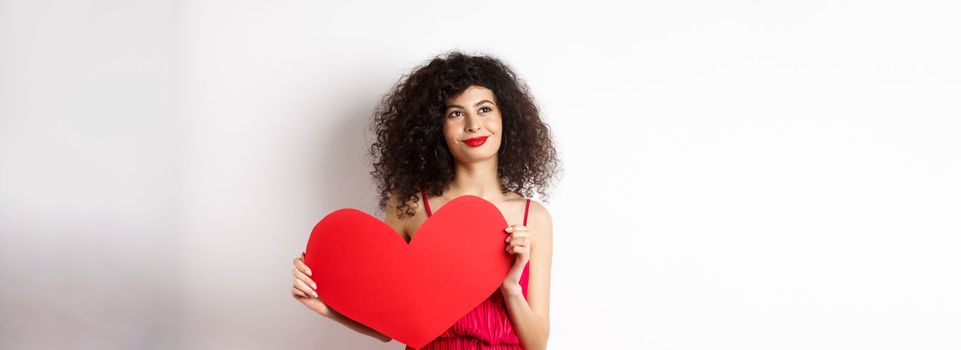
{"type": "Point", "coordinates": [478, 179]}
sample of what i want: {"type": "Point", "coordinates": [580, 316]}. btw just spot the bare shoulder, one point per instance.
{"type": "Point", "coordinates": [539, 218]}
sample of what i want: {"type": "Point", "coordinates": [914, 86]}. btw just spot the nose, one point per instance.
{"type": "Point", "coordinates": [471, 124]}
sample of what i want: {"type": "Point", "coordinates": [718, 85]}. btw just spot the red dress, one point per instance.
{"type": "Point", "coordinates": [488, 325]}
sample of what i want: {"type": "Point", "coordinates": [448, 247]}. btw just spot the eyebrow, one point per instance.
{"type": "Point", "coordinates": [475, 105]}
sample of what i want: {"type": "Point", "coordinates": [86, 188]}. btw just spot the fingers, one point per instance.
{"type": "Point", "coordinates": [518, 250]}
{"type": "Point", "coordinates": [301, 276]}
{"type": "Point", "coordinates": [300, 265]}
{"type": "Point", "coordinates": [519, 241]}
{"type": "Point", "coordinates": [519, 247]}
{"type": "Point", "coordinates": [303, 287]}
{"type": "Point", "coordinates": [298, 293]}
{"type": "Point", "coordinates": [519, 238]}
{"type": "Point", "coordinates": [513, 228]}
{"type": "Point", "coordinates": [517, 231]}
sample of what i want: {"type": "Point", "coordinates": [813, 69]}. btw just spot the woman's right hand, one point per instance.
{"type": "Point", "coordinates": [305, 290]}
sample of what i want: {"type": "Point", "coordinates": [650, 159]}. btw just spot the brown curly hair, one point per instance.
{"type": "Point", "coordinates": [410, 153]}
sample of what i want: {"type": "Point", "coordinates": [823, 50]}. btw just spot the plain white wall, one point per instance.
{"type": "Point", "coordinates": [89, 175]}
{"type": "Point", "coordinates": [737, 174]}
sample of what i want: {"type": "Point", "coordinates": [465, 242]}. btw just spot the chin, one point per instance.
{"type": "Point", "coordinates": [471, 156]}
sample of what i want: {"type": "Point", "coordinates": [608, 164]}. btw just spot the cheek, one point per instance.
{"type": "Point", "coordinates": [494, 124]}
{"type": "Point", "coordinates": [450, 137]}
{"type": "Point", "coordinates": [448, 133]}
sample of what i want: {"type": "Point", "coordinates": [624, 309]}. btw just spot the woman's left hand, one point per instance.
{"type": "Point", "coordinates": [519, 244]}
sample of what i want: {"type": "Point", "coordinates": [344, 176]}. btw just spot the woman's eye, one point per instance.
{"type": "Point", "coordinates": [454, 113]}
{"type": "Point", "coordinates": [486, 109]}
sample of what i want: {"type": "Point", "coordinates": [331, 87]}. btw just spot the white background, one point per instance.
{"type": "Point", "coordinates": [738, 174]}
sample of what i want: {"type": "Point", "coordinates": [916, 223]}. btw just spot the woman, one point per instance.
{"type": "Point", "coordinates": [464, 125]}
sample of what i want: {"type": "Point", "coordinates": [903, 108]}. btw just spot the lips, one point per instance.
{"type": "Point", "coordinates": [477, 141]}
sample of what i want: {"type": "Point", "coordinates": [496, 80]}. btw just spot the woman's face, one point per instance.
{"type": "Point", "coordinates": [472, 125]}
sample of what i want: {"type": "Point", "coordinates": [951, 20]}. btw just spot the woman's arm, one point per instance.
{"type": "Point", "coordinates": [360, 328]}
{"type": "Point", "coordinates": [530, 317]}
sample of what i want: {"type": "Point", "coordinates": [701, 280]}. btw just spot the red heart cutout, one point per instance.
{"type": "Point", "coordinates": [412, 293]}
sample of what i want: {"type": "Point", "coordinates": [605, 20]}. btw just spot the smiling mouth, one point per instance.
{"type": "Point", "coordinates": [477, 141]}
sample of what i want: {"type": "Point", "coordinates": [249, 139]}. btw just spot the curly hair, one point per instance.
{"type": "Point", "coordinates": [410, 152]}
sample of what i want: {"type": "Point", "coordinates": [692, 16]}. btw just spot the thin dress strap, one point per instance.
{"type": "Point", "coordinates": [526, 206]}
{"type": "Point", "coordinates": [427, 205]}
{"type": "Point", "coordinates": [525, 275]}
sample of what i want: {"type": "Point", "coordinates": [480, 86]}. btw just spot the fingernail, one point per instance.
{"type": "Point", "coordinates": [315, 294]}
{"type": "Point", "coordinates": [509, 229]}
{"type": "Point", "coordinates": [309, 273]}
{"type": "Point", "coordinates": [312, 284]}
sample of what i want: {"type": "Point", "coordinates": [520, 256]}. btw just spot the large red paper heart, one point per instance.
{"type": "Point", "coordinates": [410, 292]}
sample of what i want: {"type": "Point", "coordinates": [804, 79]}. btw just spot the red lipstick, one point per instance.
{"type": "Point", "coordinates": [477, 141]}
